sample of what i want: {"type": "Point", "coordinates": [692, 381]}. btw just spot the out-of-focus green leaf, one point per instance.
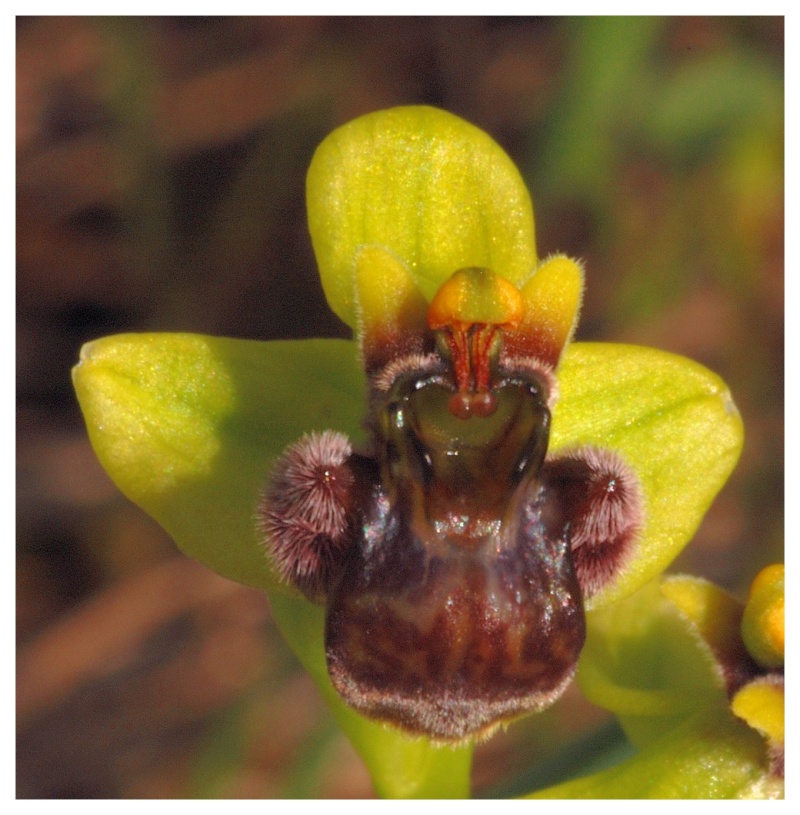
{"type": "Point", "coordinates": [433, 190]}
{"type": "Point", "coordinates": [675, 423]}
{"type": "Point", "coordinates": [603, 53]}
{"type": "Point", "coordinates": [187, 425]}
{"type": "Point", "coordinates": [703, 99]}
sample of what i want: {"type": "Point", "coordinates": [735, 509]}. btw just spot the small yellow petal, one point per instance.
{"type": "Point", "coordinates": [761, 705]}
{"type": "Point", "coordinates": [763, 621]}
{"type": "Point", "coordinates": [391, 308]}
{"type": "Point", "coordinates": [552, 299]}
{"type": "Point", "coordinates": [716, 614]}
{"type": "Point", "coordinates": [768, 577]}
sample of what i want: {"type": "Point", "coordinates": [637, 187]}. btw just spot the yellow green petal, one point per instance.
{"type": "Point", "coordinates": [391, 308]}
{"type": "Point", "coordinates": [552, 299]}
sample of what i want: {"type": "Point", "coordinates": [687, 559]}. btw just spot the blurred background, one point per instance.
{"type": "Point", "coordinates": [160, 187]}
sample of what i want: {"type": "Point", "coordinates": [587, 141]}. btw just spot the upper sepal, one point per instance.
{"type": "Point", "coordinates": [434, 191]}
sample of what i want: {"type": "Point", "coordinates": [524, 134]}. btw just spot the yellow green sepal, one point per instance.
{"type": "Point", "coordinates": [675, 424]}
{"type": "Point", "coordinates": [434, 191]}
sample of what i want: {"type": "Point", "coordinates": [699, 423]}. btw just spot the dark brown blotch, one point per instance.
{"type": "Point", "coordinates": [451, 652]}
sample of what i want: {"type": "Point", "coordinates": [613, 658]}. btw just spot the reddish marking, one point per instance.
{"type": "Point", "coordinates": [458, 340]}
{"type": "Point", "coordinates": [460, 405]}
{"type": "Point", "coordinates": [470, 347]}
{"type": "Point", "coordinates": [484, 404]}
{"type": "Point", "coordinates": [481, 344]}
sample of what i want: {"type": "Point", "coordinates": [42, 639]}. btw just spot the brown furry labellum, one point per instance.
{"type": "Point", "coordinates": [454, 556]}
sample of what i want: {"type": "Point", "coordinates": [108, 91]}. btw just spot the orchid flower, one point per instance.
{"type": "Point", "coordinates": [541, 482]}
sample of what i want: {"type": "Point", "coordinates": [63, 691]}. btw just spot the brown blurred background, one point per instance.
{"type": "Point", "coordinates": [160, 186]}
